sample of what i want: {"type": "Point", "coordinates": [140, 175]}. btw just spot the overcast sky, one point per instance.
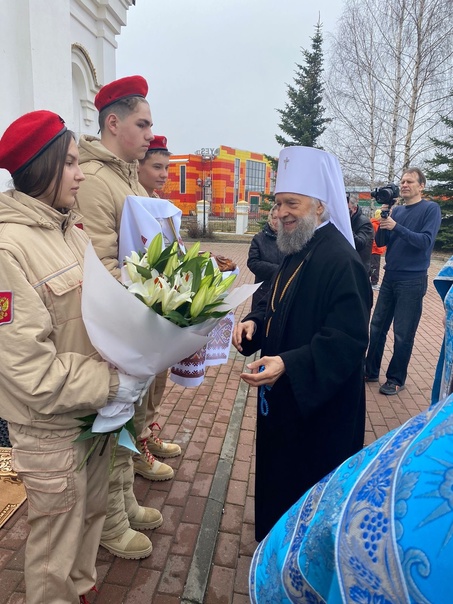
{"type": "Point", "coordinates": [217, 69]}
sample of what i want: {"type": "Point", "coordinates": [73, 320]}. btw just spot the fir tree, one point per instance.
{"type": "Point", "coordinates": [302, 118]}
{"type": "Point", "coordinates": [440, 171]}
{"type": "Point", "coordinates": [442, 159]}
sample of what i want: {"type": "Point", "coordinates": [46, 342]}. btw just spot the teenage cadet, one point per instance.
{"type": "Point", "coordinates": [51, 374]}
{"type": "Point", "coordinates": [152, 175]}
{"type": "Point", "coordinates": [110, 169]}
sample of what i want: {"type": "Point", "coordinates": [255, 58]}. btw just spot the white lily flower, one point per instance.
{"type": "Point", "coordinates": [134, 257]}
{"type": "Point", "coordinates": [183, 282]}
{"type": "Point", "coordinates": [131, 262]}
{"type": "Point", "coordinates": [150, 290]}
{"type": "Point", "coordinates": [171, 298]}
{"type": "Point", "coordinates": [168, 290]}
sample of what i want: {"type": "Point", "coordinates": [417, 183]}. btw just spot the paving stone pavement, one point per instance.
{"type": "Point", "coordinates": [203, 550]}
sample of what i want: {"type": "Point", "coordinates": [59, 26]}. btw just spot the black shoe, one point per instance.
{"type": "Point", "coordinates": [371, 379]}
{"type": "Point", "coordinates": [390, 388]}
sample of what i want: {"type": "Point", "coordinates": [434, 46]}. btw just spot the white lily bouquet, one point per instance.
{"type": "Point", "coordinates": [142, 218]}
{"type": "Point", "coordinates": [186, 290]}
{"type": "Point", "coordinates": [175, 303]}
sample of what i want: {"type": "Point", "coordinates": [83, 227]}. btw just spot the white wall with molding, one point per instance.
{"type": "Point", "coordinates": [55, 54]}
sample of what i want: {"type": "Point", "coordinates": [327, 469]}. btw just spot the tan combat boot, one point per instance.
{"type": "Point", "coordinates": [146, 519]}
{"type": "Point", "coordinates": [147, 466]}
{"type": "Point", "coordinates": [130, 545]}
{"type": "Point", "coordinates": [158, 447]}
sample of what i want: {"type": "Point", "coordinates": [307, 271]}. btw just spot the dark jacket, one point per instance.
{"type": "Point", "coordinates": [263, 261]}
{"type": "Point", "coordinates": [363, 232]}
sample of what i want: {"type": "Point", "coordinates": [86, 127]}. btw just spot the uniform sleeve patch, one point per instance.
{"type": "Point", "coordinates": [6, 307]}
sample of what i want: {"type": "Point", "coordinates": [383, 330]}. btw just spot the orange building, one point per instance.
{"type": "Point", "coordinates": [221, 176]}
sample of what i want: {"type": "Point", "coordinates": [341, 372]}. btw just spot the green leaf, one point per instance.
{"type": "Point", "coordinates": [130, 427]}
{"type": "Point", "coordinates": [207, 309]}
{"type": "Point", "coordinates": [88, 418]}
{"type": "Point", "coordinates": [157, 308]}
{"type": "Point", "coordinates": [144, 272]}
{"type": "Point", "coordinates": [210, 269]}
{"type": "Point", "coordinates": [196, 279]}
{"type": "Point", "coordinates": [190, 266]}
{"type": "Point", "coordinates": [175, 317]}
{"type": "Point", "coordinates": [162, 262]}
{"type": "Point", "coordinates": [141, 298]}
{"type": "Point", "coordinates": [85, 435]}
{"type": "Point", "coordinates": [202, 317]}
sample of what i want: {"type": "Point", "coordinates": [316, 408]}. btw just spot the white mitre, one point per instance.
{"type": "Point", "coordinates": [315, 173]}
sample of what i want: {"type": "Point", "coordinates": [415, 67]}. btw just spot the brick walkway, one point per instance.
{"type": "Point", "coordinates": [203, 550]}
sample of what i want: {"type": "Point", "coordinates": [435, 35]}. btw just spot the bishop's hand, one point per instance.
{"type": "Point", "coordinates": [273, 368]}
{"type": "Point", "coordinates": [241, 331]}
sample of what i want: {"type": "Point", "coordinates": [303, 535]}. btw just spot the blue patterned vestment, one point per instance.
{"type": "Point", "coordinates": [377, 530]}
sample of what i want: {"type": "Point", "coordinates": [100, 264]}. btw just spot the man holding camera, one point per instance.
{"type": "Point", "coordinates": [409, 234]}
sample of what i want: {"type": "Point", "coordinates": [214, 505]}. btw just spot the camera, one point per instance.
{"type": "Point", "coordinates": [386, 195]}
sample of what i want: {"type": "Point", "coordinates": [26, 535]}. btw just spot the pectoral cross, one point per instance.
{"type": "Point", "coordinates": [285, 161]}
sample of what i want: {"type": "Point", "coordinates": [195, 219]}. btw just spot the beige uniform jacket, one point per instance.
{"type": "Point", "coordinates": [108, 181]}
{"type": "Point", "coordinates": [50, 373]}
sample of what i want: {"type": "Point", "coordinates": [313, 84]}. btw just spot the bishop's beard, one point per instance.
{"type": "Point", "coordinates": [292, 242]}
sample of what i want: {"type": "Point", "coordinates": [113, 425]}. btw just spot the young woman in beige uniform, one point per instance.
{"type": "Point", "coordinates": [51, 375]}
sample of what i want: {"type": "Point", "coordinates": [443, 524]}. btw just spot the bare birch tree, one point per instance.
{"type": "Point", "coordinates": [389, 72]}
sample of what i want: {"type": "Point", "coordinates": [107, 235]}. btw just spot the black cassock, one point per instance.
{"type": "Point", "coordinates": [313, 417]}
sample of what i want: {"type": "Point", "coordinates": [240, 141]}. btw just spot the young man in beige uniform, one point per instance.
{"type": "Point", "coordinates": [110, 169]}
{"type": "Point", "coordinates": [152, 175]}
{"type": "Point", "coordinates": [153, 168]}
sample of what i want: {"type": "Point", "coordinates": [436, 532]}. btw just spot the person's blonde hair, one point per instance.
{"type": "Point", "coordinates": [271, 213]}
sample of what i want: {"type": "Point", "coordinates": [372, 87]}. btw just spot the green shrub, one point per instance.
{"type": "Point", "coordinates": [195, 231]}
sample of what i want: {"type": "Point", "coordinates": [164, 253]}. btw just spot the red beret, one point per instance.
{"type": "Point", "coordinates": [27, 137]}
{"type": "Point", "coordinates": [158, 144]}
{"type": "Point", "coordinates": [120, 89]}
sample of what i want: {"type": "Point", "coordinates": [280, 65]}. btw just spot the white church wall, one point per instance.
{"type": "Point", "coordinates": [35, 59]}
{"type": "Point", "coordinates": [55, 54]}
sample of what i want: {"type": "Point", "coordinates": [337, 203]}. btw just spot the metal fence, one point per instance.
{"type": "Point", "coordinates": [226, 223]}
{"type": "Point", "coordinates": [367, 208]}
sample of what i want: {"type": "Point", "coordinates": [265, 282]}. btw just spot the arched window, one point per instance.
{"type": "Point", "coordinates": [84, 88]}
